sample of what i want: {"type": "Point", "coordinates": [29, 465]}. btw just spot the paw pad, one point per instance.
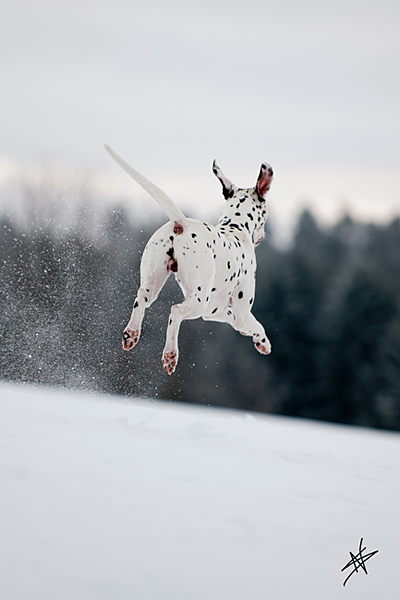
{"type": "Point", "coordinates": [129, 339]}
{"type": "Point", "coordinates": [170, 360]}
{"type": "Point", "coordinates": [263, 349]}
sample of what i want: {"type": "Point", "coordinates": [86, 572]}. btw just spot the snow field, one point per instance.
{"type": "Point", "coordinates": [142, 500]}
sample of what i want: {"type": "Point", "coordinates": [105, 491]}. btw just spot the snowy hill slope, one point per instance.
{"type": "Point", "coordinates": [106, 499]}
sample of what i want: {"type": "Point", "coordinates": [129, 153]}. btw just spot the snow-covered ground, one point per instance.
{"type": "Point", "coordinates": [106, 499]}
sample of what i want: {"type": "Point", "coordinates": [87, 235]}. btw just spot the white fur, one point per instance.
{"type": "Point", "coordinates": [214, 265]}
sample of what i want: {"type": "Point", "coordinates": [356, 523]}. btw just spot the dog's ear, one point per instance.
{"type": "Point", "coordinates": [264, 180]}
{"type": "Point", "coordinates": [227, 186]}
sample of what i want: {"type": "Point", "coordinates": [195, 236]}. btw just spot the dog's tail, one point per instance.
{"type": "Point", "coordinates": [163, 200]}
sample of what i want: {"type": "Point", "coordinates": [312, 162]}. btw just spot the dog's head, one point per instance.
{"type": "Point", "coordinates": [248, 205]}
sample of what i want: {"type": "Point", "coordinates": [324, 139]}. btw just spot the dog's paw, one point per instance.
{"type": "Point", "coordinates": [263, 346]}
{"type": "Point", "coordinates": [169, 361]}
{"type": "Point", "coordinates": [129, 339]}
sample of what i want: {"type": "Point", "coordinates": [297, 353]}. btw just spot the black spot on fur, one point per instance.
{"type": "Point", "coordinates": [214, 311]}
{"type": "Point", "coordinates": [136, 304]}
{"type": "Point", "coordinates": [240, 295]}
{"type": "Point", "coordinates": [227, 193]}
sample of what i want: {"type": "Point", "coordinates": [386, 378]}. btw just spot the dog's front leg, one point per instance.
{"type": "Point", "coordinates": [248, 325]}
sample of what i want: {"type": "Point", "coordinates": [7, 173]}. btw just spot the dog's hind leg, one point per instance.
{"type": "Point", "coordinates": [154, 273]}
{"type": "Point", "coordinates": [190, 308]}
{"type": "Point", "coordinates": [195, 273]}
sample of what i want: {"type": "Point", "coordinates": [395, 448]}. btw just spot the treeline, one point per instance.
{"type": "Point", "coordinates": [329, 303]}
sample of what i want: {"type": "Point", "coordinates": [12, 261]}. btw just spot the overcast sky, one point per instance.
{"type": "Point", "coordinates": [311, 87]}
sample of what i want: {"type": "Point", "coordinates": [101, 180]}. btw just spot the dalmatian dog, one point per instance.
{"type": "Point", "coordinates": [215, 266]}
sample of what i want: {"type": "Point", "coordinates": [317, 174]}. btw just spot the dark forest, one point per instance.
{"type": "Point", "coordinates": [329, 304]}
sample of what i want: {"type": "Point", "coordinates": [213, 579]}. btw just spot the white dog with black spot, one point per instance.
{"type": "Point", "coordinates": [215, 266]}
